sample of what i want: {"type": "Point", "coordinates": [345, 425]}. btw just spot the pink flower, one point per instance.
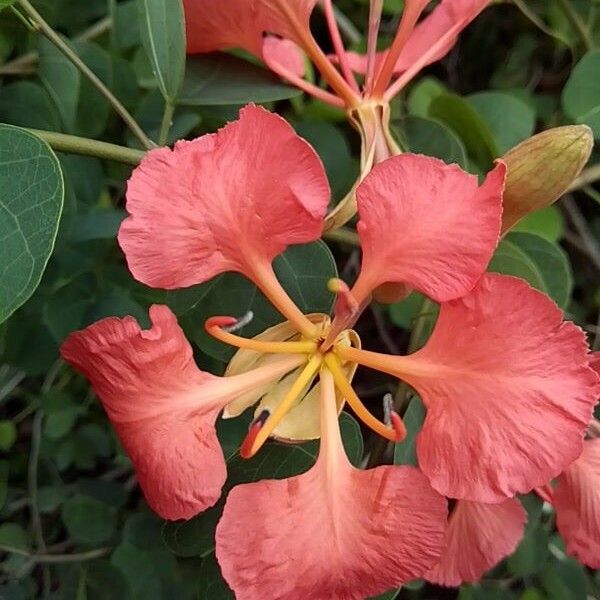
{"type": "Point", "coordinates": [278, 32]}
{"type": "Point", "coordinates": [506, 381]}
{"type": "Point", "coordinates": [576, 500]}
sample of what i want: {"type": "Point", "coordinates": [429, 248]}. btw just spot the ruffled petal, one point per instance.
{"type": "Point", "coordinates": [214, 26]}
{"type": "Point", "coordinates": [508, 392]}
{"type": "Point", "coordinates": [478, 537]}
{"type": "Point", "coordinates": [162, 406]}
{"type": "Point", "coordinates": [577, 504]}
{"type": "Point", "coordinates": [428, 225]}
{"type": "Point", "coordinates": [332, 532]}
{"type": "Point", "coordinates": [229, 201]}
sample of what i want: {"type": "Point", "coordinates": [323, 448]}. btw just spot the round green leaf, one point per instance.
{"type": "Point", "coordinates": [426, 136]}
{"type": "Point", "coordinates": [223, 79]}
{"type": "Point", "coordinates": [31, 201]}
{"type": "Point", "coordinates": [509, 259]}
{"type": "Point", "coordinates": [581, 95]}
{"type": "Point", "coordinates": [509, 119]}
{"type": "Point", "coordinates": [88, 521]}
{"type": "Point", "coordinates": [552, 263]}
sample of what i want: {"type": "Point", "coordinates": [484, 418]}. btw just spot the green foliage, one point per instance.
{"type": "Point", "coordinates": [61, 269]}
{"type": "Point", "coordinates": [30, 208]}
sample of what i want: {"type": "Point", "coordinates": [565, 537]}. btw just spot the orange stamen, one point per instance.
{"type": "Point", "coordinates": [214, 327]}
{"type": "Point", "coordinates": [396, 433]}
{"type": "Point", "coordinates": [255, 427]}
{"type": "Point", "coordinates": [260, 437]}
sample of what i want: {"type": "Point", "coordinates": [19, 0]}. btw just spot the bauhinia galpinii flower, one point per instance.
{"type": "Point", "coordinates": [506, 381]}
{"type": "Point", "coordinates": [278, 32]}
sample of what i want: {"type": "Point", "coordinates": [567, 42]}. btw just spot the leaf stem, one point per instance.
{"type": "Point", "coordinates": [588, 176]}
{"type": "Point", "coordinates": [73, 144]}
{"type": "Point", "coordinates": [42, 26]}
{"type": "Point", "coordinates": [57, 558]}
{"type": "Point", "coordinates": [167, 121]}
{"type": "Point", "coordinates": [577, 24]}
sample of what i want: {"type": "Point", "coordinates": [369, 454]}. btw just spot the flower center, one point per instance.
{"type": "Point", "coordinates": [319, 355]}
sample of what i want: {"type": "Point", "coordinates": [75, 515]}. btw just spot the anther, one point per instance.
{"type": "Point", "coordinates": [255, 427]}
{"type": "Point", "coordinates": [392, 419]}
{"type": "Point", "coordinates": [241, 322]}
{"type": "Point", "coordinates": [388, 405]}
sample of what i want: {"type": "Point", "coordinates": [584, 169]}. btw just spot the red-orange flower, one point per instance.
{"type": "Point", "coordinates": [506, 382]}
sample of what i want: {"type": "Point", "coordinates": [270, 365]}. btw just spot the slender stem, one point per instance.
{"type": "Point", "coordinates": [166, 123]}
{"type": "Point", "coordinates": [591, 245]}
{"type": "Point", "coordinates": [25, 64]}
{"type": "Point", "coordinates": [589, 175]}
{"type": "Point", "coordinates": [57, 558]}
{"type": "Point", "coordinates": [47, 31]}
{"type": "Point", "coordinates": [73, 144]}
{"type": "Point", "coordinates": [577, 24]}
{"type": "Point", "coordinates": [338, 45]}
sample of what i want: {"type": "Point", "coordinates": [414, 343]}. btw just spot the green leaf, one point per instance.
{"type": "Point", "coordinates": [509, 259]}
{"type": "Point", "coordinates": [223, 79]}
{"type": "Point", "coordinates": [212, 585]}
{"type": "Point", "coordinates": [426, 136]}
{"type": "Point", "coordinates": [12, 535]}
{"type": "Point", "coordinates": [162, 28]}
{"type": "Point", "coordinates": [531, 554]}
{"type": "Point", "coordinates": [31, 201]}
{"type": "Point", "coordinates": [138, 567]}
{"type": "Point", "coordinates": [509, 119]}
{"type": "Point", "coordinates": [404, 313]}
{"type": "Point", "coordinates": [422, 95]}
{"type": "Point", "coordinates": [581, 95]}
{"type": "Point", "coordinates": [552, 263]}
{"type": "Point", "coordinates": [405, 452]}
{"type": "Point", "coordinates": [28, 104]}
{"type": "Point", "coordinates": [6, 3]}
{"type": "Point", "coordinates": [464, 120]}
{"type": "Point", "coordinates": [88, 521]}
{"type": "Point", "coordinates": [302, 270]}
{"type": "Point", "coordinates": [565, 580]}
{"type": "Point", "coordinates": [548, 223]}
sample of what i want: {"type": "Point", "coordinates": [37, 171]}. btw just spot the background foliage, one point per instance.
{"type": "Point", "coordinates": [73, 523]}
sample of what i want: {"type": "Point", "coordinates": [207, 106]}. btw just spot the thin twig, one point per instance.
{"type": "Point", "coordinates": [25, 64]}
{"type": "Point", "coordinates": [42, 26]}
{"type": "Point", "coordinates": [79, 145]}
{"type": "Point", "coordinates": [344, 235]}
{"type": "Point", "coordinates": [588, 176]}
{"type": "Point", "coordinates": [57, 558]}
{"type": "Point", "coordinates": [577, 24]}
{"type": "Point", "coordinates": [578, 220]}
{"type": "Point", "coordinates": [167, 121]}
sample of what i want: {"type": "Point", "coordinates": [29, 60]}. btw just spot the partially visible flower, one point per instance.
{"type": "Point", "coordinates": [478, 537]}
{"type": "Point", "coordinates": [332, 532]}
{"type": "Point", "coordinates": [576, 500]}
{"type": "Point", "coordinates": [162, 406]}
{"type": "Point", "coordinates": [506, 381]}
{"type": "Point", "coordinates": [278, 32]}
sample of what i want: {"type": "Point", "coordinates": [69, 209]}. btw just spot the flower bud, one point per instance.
{"type": "Point", "coordinates": [541, 169]}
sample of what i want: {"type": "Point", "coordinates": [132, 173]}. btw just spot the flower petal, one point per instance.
{"type": "Point", "coordinates": [447, 15]}
{"type": "Point", "coordinates": [508, 392]}
{"type": "Point", "coordinates": [332, 532]}
{"type": "Point", "coordinates": [230, 201]}
{"type": "Point", "coordinates": [161, 405]}
{"type": "Point", "coordinates": [426, 224]}
{"type": "Point", "coordinates": [478, 537]}
{"type": "Point", "coordinates": [577, 504]}
{"type": "Point", "coordinates": [241, 23]}
{"type": "Point", "coordinates": [285, 53]}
